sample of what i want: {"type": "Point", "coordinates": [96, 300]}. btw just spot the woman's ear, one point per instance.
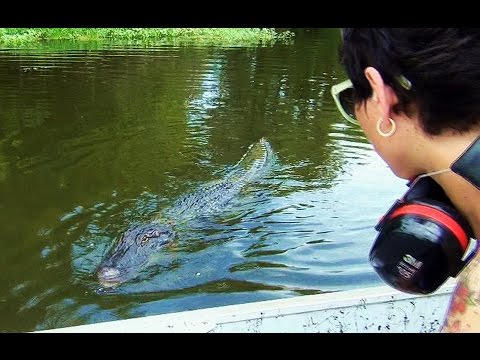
{"type": "Point", "coordinates": [383, 95]}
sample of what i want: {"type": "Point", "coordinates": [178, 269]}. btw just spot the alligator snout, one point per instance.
{"type": "Point", "coordinates": [108, 276]}
{"type": "Point", "coordinates": [108, 273]}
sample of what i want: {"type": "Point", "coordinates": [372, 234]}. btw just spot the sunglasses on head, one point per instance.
{"type": "Point", "coordinates": [343, 94]}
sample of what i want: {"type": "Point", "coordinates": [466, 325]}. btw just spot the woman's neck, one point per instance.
{"type": "Point", "coordinates": [464, 195]}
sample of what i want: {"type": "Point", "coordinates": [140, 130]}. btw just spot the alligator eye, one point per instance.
{"type": "Point", "coordinates": [145, 240]}
{"type": "Point", "coordinates": [153, 233]}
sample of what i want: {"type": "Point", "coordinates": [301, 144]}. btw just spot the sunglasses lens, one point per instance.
{"type": "Point", "coordinates": [346, 100]}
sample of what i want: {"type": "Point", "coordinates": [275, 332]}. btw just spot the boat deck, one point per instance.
{"type": "Point", "coordinates": [375, 309]}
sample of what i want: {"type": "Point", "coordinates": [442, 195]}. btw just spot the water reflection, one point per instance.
{"type": "Point", "coordinates": [95, 140]}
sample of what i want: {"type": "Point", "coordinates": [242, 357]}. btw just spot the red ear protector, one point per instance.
{"type": "Point", "coordinates": [422, 240]}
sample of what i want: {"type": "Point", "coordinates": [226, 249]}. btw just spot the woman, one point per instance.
{"type": "Point", "coordinates": [416, 95]}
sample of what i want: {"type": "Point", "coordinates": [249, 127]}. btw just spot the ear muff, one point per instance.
{"type": "Point", "coordinates": [421, 242]}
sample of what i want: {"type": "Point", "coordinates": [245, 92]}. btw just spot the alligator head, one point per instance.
{"type": "Point", "coordinates": [132, 251]}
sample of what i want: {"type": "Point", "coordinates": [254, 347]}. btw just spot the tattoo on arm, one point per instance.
{"type": "Point", "coordinates": [464, 309]}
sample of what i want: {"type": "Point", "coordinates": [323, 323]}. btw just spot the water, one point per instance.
{"type": "Point", "coordinates": [96, 138]}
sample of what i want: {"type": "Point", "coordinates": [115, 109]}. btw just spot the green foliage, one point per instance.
{"type": "Point", "coordinates": [150, 36]}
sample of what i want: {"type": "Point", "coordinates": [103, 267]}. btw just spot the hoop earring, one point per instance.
{"type": "Point", "coordinates": [392, 130]}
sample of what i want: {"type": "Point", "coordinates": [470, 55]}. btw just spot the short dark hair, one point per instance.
{"type": "Point", "coordinates": [443, 66]}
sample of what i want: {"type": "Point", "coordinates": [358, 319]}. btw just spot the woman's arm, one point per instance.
{"type": "Point", "coordinates": [463, 314]}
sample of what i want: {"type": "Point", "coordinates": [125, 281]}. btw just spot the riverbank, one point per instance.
{"type": "Point", "coordinates": [176, 36]}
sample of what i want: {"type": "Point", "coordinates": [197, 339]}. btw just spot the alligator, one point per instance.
{"type": "Point", "coordinates": [138, 244]}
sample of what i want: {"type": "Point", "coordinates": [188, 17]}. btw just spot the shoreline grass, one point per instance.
{"type": "Point", "coordinates": [176, 36]}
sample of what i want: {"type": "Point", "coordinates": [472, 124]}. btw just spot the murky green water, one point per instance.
{"type": "Point", "coordinates": [96, 139]}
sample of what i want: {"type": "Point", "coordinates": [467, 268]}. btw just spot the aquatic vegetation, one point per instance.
{"type": "Point", "coordinates": [176, 36]}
